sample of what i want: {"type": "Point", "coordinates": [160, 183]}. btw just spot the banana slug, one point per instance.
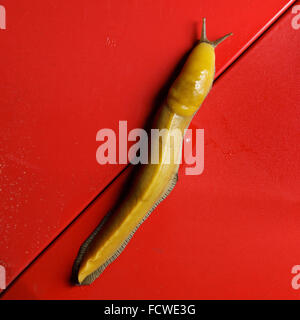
{"type": "Point", "coordinates": [154, 181]}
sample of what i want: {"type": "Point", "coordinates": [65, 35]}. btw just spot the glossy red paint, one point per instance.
{"type": "Point", "coordinates": [70, 68]}
{"type": "Point", "coordinates": [232, 232]}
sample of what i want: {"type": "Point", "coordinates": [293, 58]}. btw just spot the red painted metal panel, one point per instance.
{"type": "Point", "coordinates": [232, 232]}
{"type": "Point", "coordinates": [70, 68]}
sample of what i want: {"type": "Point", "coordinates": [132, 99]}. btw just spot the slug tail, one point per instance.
{"type": "Point", "coordinates": [84, 247]}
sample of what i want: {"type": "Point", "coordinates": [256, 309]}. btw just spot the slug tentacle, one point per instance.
{"type": "Point", "coordinates": [203, 32]}
{"type": "Point", "coordinates": [204, 36]}
{"type": "Point", "coordinates": [218, 41]}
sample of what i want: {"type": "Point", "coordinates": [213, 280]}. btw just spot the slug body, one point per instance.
{"type": "Point", "coordinates": [154, 180]}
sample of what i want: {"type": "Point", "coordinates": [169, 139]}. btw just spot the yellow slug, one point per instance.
{"type": "Point", "coordinates": [154, 180]}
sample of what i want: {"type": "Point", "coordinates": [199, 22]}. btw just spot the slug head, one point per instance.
{"type": "Point", "coordinates": [195, 80]}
